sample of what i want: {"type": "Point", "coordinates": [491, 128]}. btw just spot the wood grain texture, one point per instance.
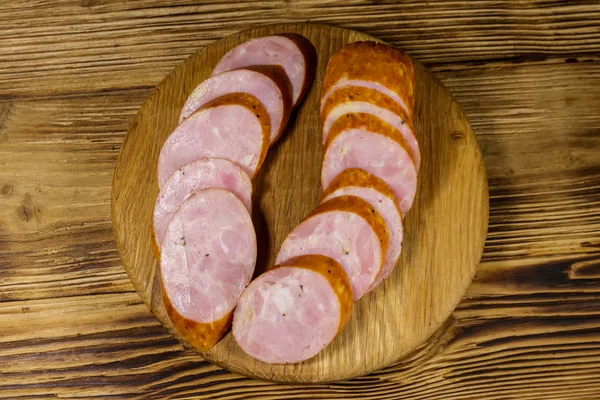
{"type": "Point", "coordinates": [444, 231]}
{"type": "Point", "coordinates": [104, 45]}
{"type": "Point", "coordinates": [73, 75]}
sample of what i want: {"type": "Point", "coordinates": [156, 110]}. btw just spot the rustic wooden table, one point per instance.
{"type": "Point", "coordinates": [74, 72]}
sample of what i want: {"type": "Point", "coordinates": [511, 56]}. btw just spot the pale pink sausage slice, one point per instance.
{"type": "Point", "coordinates": [385, 115]}
{"type": "Point", "coordinates": [293, 52]}
{"type": "Point", "coordinates": [347, 229]}
{"type": "Point", "coordinates": [354, 99]}
{"type": "Point", "coordinates": [375, 149]}
{"type": "Point", "coordinates": [293, 311]}
{"type": "Point", "coordinates": [192, 178]}
{"type": "Point", "coordinates": [269, 84]}
{"type": "Point", "coordinates": [360, 183]}
{"type": "Point", "coordinates": [207, 260]}
{"type": "Point", "coordinates": [234, 127]}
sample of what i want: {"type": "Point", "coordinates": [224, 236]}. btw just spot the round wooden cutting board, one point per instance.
{"type": "Point", "coordinates": [444, 231]}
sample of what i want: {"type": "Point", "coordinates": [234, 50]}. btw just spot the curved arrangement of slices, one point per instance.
{"type": "Point", "coordinates": [342, 250]}
{"type": "Point", "coordinates": [352, 241]}
{"type": "Point", "coordinates": [202, 230]}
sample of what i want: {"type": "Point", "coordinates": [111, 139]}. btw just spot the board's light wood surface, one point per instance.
{"type": "Point", "coordinates": [75, 72]}
{"type": "Point", "coordinates": [444, 231]}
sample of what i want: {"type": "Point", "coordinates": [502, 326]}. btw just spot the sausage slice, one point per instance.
{"type": "Point", "coordinates": [366, 142]}
{"type": "Point", "coordinates": [347, 229]}
{"type": "Point", "coordinates": [207, 258]}
{"type": "Point", "coordinates": [372, 65]}
{"type": "Point", "coordinates": [269, 84]}
{"type": "Point", "coordinates": [295, 53]}
{"type": "Point", "coordinates": [360, 183]}
{"type": "Point", "coordinates": [234, 126]}
{"type": "Point", "coordinates": [192, 178]}
{"type": "Point", "coordinates": [294, 310]}
{"type": "Point", "coordinates": [356, 99]}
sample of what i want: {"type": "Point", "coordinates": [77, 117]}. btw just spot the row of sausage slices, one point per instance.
{"type": "Point", "coordinates": [202, 228]}
{"type": "Point", "coordinates": [345, 248]}
{"type": "Point", "coordinates": [352, 241]}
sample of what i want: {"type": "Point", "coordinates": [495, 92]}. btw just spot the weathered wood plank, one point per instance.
{"type": "Point", "coordinates": [57, 160]}
{"type": "Point", "coordinates": [540, 140]}
{"type": "Point", "coordinates": [91, 45]}
{"type": "Point", "coordinates": [98, 345]}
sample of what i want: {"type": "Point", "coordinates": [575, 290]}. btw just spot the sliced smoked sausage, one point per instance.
{"type": "Point", "coordinates": [292, 51]}
{"type": "Point", "coordinates": [366, 142]}
{"type": "Point", "coordinates": [360, 183]}
{"type": "Point", "coordinates": [269, 84]}
{"type": "Point", "coordinates": [234, 126]}
{"type": "Point", "coordinates": [356, 99]}
{"type": "Point", "coordinates": [190, 179]}
{"type": "Point", "coordinates": [347, 229]}
{"type": "Point", "coordinates": [372, 65]}
{"type": "Point", "coordinates": [207, 259]}
{"type": "Point", "coordinates": [294, 310]}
